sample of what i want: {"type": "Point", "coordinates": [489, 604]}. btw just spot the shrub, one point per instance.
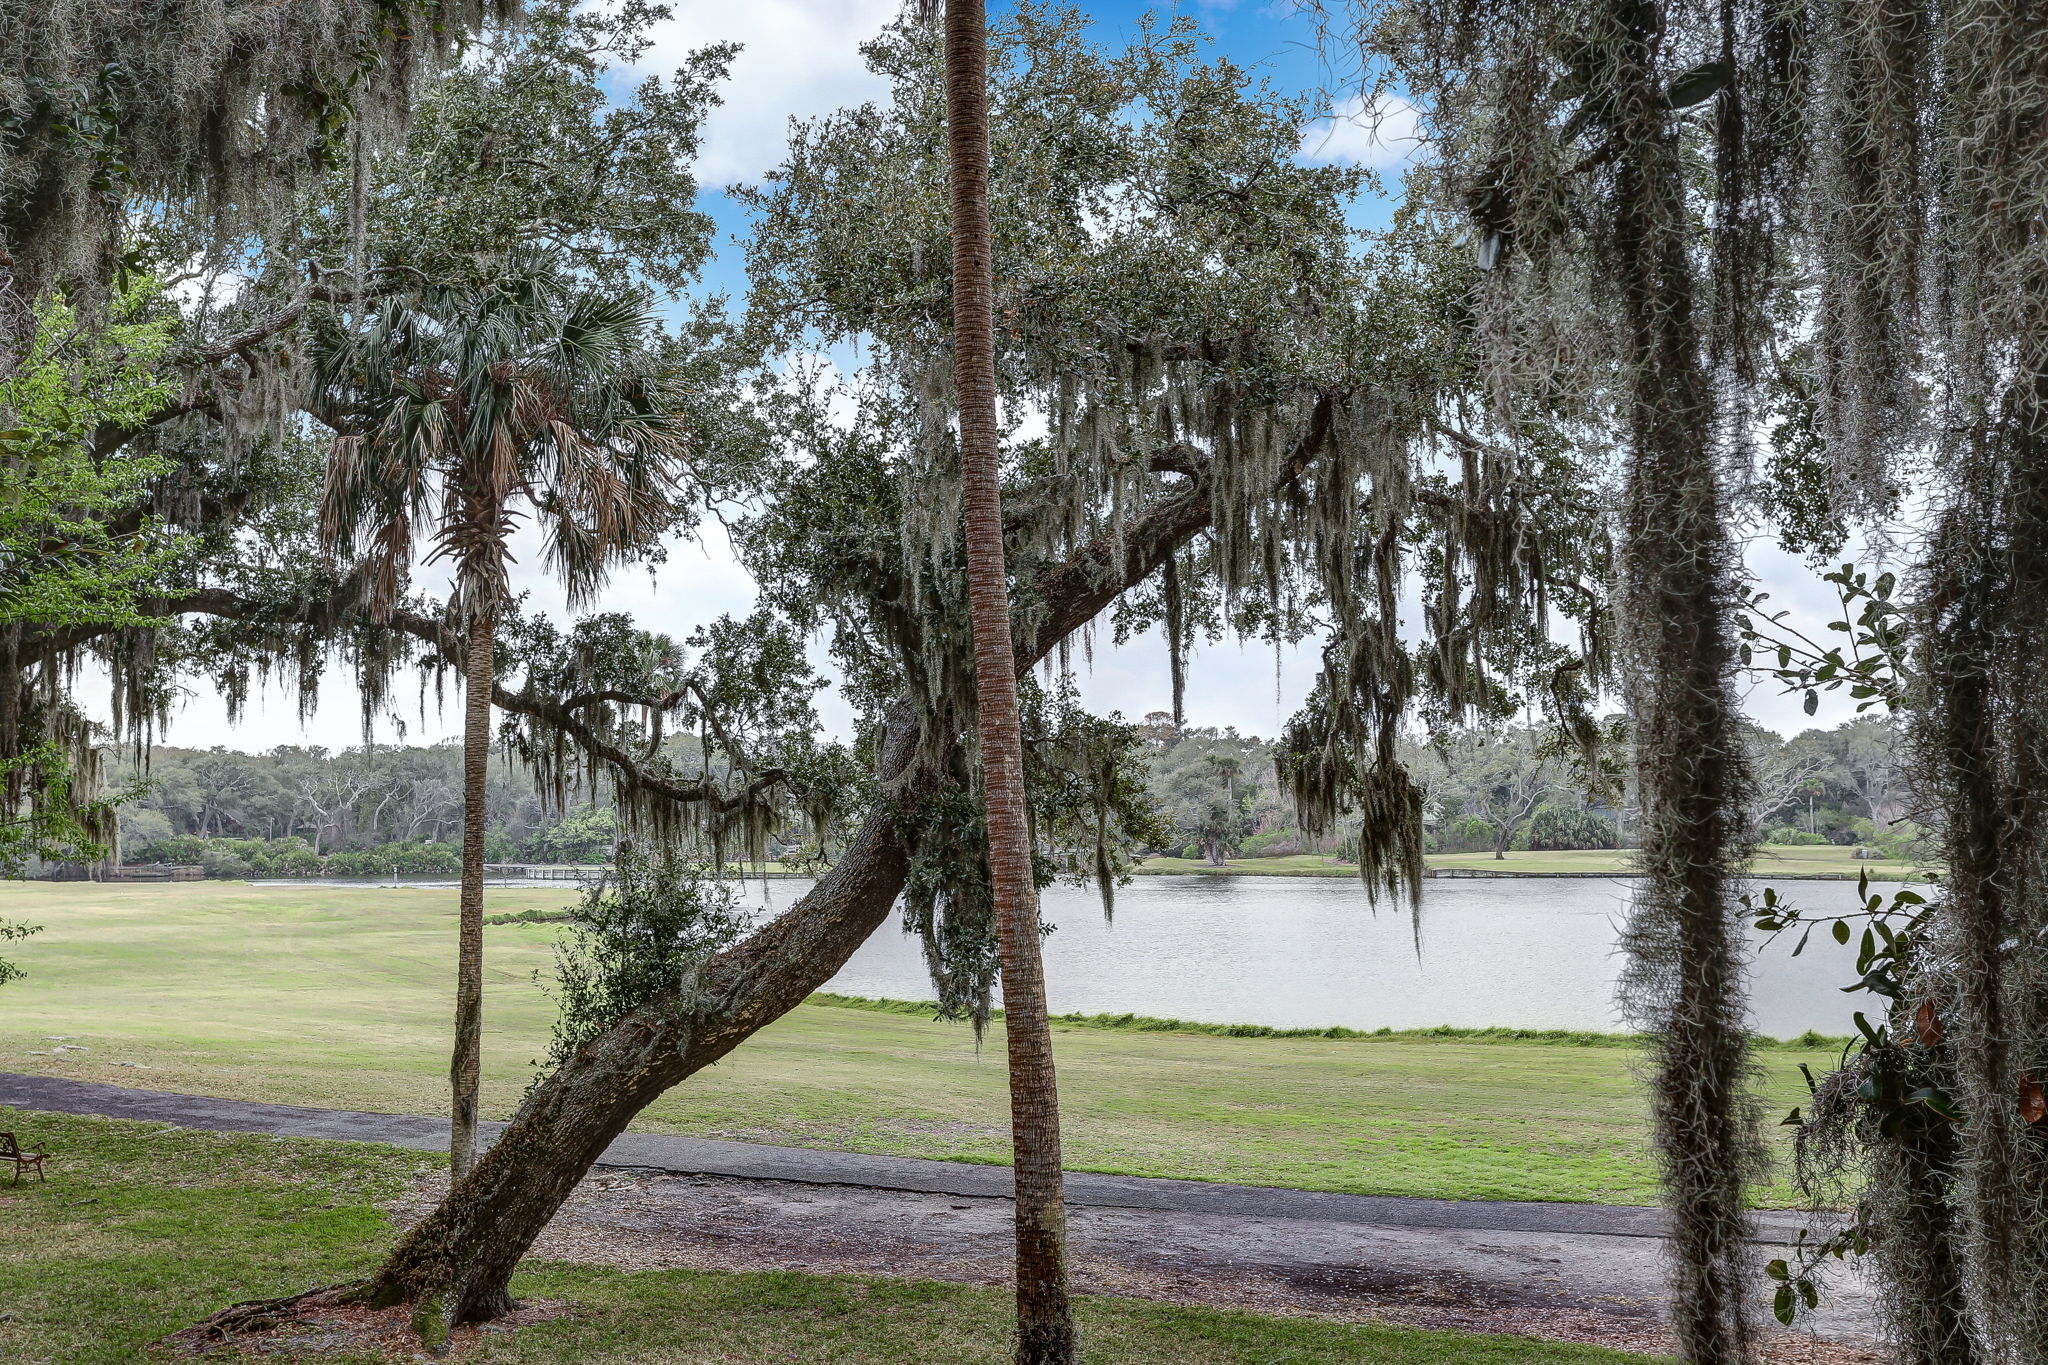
{"type": "Point", "coordinates": [417, 859]}
{"type": "Point", "coordinates": [1467, 833]}
{"type": "Point", "coordinates": [296, 859]}
{"type": "Point", "coordinates": [1786, 836]}
{"type": "Point", "coordinates": [1561, 827]}
{"type": "Point", "coordinates": [356, 862]}
{"type": "Point", "coordinates": [225, 863]}
{"type": "Point", "coordinates": [1903, 841]}
{"type": "Point", "coordinates": [530, 917]}
{"type": "Point", "coordinates": [1278, 843]}
{"type": "Point", "coordinates": [641, 933]}
{"type": "Point", "coordinates": [178, 848]}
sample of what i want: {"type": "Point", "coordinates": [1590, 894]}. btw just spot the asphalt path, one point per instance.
{"type": "Point", "coordinates": [754, 1161]}
{"type": "Point", "coordinates": [1578, 1272]}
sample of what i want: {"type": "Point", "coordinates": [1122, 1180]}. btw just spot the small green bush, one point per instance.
{"type": "Point", "coordinates": [226, 864]}
{"type": "Point", "coordinates": [1277, 843]}
{"type": "Point", "coordinates": [1568, 827]}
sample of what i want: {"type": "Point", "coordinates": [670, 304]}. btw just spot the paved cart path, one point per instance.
{"type": "Point", "coordinates": [1579, 1271]}
{"type": "Point", "coordinates": [754, 1161]}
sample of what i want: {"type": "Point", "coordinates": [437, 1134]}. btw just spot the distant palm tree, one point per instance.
{"type": "Point", "coordinates": [462, 412]}
{"type": "Point", "coordinates": [1045, 1323]}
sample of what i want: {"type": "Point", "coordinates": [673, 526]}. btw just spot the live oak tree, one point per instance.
{"type": "Point", "coordinates": [1225, 392]}
{"type": "Point", "coordinates": [1251, 416]}
{"type": "Point", "coordinates": [343, 197]}
{"type": "Point", "coordinates": [1500, 780]}
{"type": "Point", "coordinates": [132, 135]}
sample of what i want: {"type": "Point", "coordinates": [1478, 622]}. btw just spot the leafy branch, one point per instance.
{"type": "Point", "coordinates": [1875, 663]}
{"type": "Point", "coordinates": [9, 932]}
{"type": "Point", "coordinates": [1889, 1087]}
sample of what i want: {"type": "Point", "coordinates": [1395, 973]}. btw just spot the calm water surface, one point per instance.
{"type": "Point", "coordinates": [1309, 952]}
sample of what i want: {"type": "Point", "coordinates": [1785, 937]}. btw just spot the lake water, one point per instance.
{"type": "Point", "coordinates": [1306, 952]}
{"type": "Point", "coordinates": [1309, 952]}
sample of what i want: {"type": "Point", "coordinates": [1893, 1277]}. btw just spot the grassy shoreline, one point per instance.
{"type": "Point", "coordinates": [1782, 862]}
{"type": "Point", "coordinates": [1145, 1023]}
{"type": "Point", "coordinates": [339, 999]}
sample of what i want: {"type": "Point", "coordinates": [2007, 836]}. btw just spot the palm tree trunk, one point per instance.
{"type": "Point", "coordinates": [1045, 1325]}
{"type": "Point", "coordinates": [464, 1068]}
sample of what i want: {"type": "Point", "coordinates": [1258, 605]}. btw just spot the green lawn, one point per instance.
{"type": "Point", "coordinates": [1781, 859]}
{"type": "Point", "coordinates": [340, 996]}
{"type": "Point", "coordinates": [141, 1231]}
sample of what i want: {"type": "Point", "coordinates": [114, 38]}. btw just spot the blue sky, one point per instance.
{"type": "Point", "coordinates": [799, 59]}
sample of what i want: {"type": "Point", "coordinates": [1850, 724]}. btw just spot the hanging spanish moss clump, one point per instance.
{"type": "Point", "coordinates": [1980, 732]}
{"type": "Point", "coordinates": [1924, 214]}
{"type": "Point", "coordinates": [1684, 981]}
{"type": "Point", "coordinates": [1866, 233]}
{"type": "Point", "coordinates": [1564, 133]}
{"type": "Point", "coordinates": [1685, 942]}
{"type": "Point", "coordinates": [210, 115]}
{"type": "Point", "coordinates": [948, 903]}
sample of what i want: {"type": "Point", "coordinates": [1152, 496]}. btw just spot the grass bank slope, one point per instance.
{"type": "Point", "coordinates": [341, 997]}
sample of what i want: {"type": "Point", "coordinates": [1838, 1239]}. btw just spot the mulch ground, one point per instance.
{"type": "Point", "coordinates": [605, 1223]}
{"type": "Point", "coordinates": [325, 1324]}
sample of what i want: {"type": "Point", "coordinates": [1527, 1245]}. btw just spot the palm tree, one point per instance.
{"type": "Point", "coordinates": [462, 412]}
{"type": "Point", "coordinates": [1045, 1324]}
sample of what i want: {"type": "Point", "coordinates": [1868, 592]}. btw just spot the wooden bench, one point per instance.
{"type": "Point", "coordinates": [10, 1150]}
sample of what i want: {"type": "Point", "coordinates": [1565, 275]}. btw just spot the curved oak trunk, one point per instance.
{"type": "Point", "coordinates": [457, 1264]}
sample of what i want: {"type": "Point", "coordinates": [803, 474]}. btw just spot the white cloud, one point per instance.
{"type": "Point", "coordinates": [1380, 133]}
{"type": "Point", "coordinates": [1231, 682]}
{"type": "Point", "coordinates": [799, 58]}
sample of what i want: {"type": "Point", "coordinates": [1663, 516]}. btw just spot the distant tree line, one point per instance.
{"type": "Point", "coordinates": [1514, 789]}
{"type": "Point", "coordinates": [308, 811]}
